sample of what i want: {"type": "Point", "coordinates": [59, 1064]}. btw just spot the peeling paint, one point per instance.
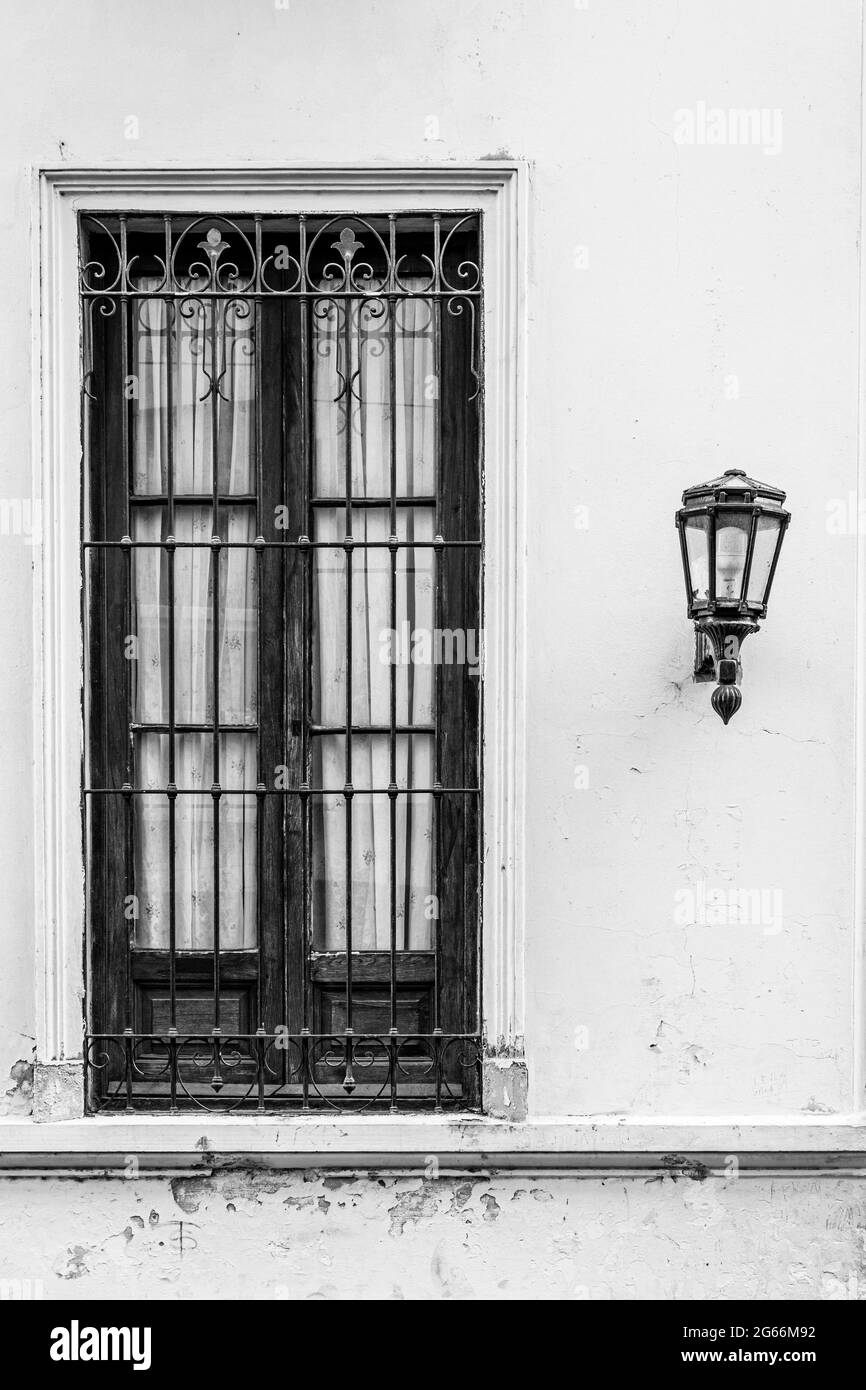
{"type": "Point", "coordinates": [448, 1239]}
{"type": "Point", "coordinates": [18, 1099]}
{"type": "Point", "coordinates": [679, 1165]}
{"type": "Point", "coordinates": [418, 1205]}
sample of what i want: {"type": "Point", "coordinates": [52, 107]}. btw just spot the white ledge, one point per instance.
{"type": "Point", "coordinates": [818, 1144]}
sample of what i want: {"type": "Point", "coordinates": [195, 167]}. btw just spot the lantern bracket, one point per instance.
{"type": "Point", "coordinates": [705, 662]}
{"type": "Point", "coordinates": [725, 637]}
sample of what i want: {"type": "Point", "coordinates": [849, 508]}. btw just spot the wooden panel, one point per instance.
{"type": "Point", "coordinates": [194, 965]}
{"type": "Point", "coordinates": [373, 967]}
{"type": "Point", "coordinates": [371, 1010]}
{"type": "Point", "coordinates": [195, 1010]}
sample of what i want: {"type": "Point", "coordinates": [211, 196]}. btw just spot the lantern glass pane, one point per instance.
{"type": "Point", "coordinates": [697, 532]}
{"type": "Point", "coordinates": [766, 538]}
{"type": "Point", "coordinates": [732, 542]}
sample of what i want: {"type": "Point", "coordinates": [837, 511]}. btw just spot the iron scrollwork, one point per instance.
{"type": "Point", "coordinates": [265, 1071]}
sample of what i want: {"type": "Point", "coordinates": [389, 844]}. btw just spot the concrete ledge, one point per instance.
{"type": "Point", "coordinates": [593, 1144]}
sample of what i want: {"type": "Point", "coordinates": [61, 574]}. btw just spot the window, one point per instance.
{"type": "Point", "coordinates": [282, 568]}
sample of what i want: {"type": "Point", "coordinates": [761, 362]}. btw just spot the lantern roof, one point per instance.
{"type": "Point", "coordinates": [735, 485]}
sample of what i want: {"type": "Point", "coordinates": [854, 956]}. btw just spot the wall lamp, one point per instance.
{"type": "Point", "coordinates": [731, 532]}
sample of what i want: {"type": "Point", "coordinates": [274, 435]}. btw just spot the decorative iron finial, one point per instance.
{"type": "Point", "coordinates": [213, 245]}
{"type": "Point", "coordinates": [347, 245]}
{"type": "Point", "coordinates": [726, 700]}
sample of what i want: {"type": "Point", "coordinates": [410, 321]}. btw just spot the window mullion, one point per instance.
{"type": "Point", "coordinates": [216, 790]}
{"type": "Point", "coordinates": [129, 799]}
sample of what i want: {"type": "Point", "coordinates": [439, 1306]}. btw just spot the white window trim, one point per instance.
{"type": "Point", "coordinates": [498, 190]}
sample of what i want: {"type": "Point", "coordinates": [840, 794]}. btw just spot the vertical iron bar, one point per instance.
{"type": "Point", "coordinates": [410, 613]}
{"type": "Point", "coordinates": [215, 552]}
{"type": "Point", "coordinates": [286, 922]}
{"type": "Point", "coordinates": [348, 545]}
{"type": "Point", "coordinates": [437, 556]}
{"type": "Point", "coordinates": [260, 1067]}
{"type": "Point", "coordinates": [169, 309]}
{"type": "Point", "coordinates": [409, 448]}
{"type": "Point", "coordinates": [436, 560]}
{"type": "Point", "coordinates": [305, 1068]}
{"type": "Point", "coordinates": [172, 1067]}
{"type": "Point", "coordinates": [128, 1046]}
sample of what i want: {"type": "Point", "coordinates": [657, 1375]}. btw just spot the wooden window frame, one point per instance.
{"type": "Point", "coordinates": [323, 1014]}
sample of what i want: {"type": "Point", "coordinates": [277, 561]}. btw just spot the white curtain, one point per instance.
{"type": "Point", "coordinates": [354, 394]}
{"type": "Point", "coordinates": [348, 394]}
{"type": "Point", "coordinates": [195, 377]}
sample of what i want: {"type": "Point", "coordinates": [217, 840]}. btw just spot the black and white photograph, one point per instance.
{"type": "Point", "coordinates": [414, 884]}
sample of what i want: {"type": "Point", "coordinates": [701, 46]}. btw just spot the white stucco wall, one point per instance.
{"type": "Point", "coordinates": [691, 308]}
{"type": "Point", "coordinates": [276, 1236]}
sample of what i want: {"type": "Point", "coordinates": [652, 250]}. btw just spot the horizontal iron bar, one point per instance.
{"type": "Point", "coordinates": [196, 499]}
{"type": "Point", "coordinates": [405, 501]}
{"type": "Point", "coordinates": [259, 296]}
{"type": "Point", "coordinates": [246, 954]}
{"type": "Point", "coordinates": [249, 499]}
{"type": "Point", "coordinates": [262, 790]}
{"type": "Point", "coordinates": [187, 727]}
{"type": "Point", "coordinates": [373, 729]}
{"type": "Point", "coordinates": [224, 1035]}
{"type": "Point", "coordinates": [181, 727]}
{"type": "Point", "coordinates": [341, 543]}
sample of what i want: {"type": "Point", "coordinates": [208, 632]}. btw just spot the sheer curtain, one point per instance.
{"type": "Point", "coordinates": [195, 376]}
{"type": "Point", "coordinates": [351, 391]}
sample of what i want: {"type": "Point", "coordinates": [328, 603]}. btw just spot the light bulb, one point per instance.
{"type": "Point", "coordinates": [731, 543]}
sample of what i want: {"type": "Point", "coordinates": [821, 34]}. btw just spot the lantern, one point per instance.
{"type": "Point", "coordinates": [731, 531]}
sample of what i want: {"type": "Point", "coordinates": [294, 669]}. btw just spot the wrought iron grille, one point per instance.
{"type": "Point", "coordinates": [282, 436]}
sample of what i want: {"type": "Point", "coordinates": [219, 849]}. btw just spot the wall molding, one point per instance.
{"type": "Point", "coordinates": [498, 189]}
{"type": "Point", "coordinates": [590, 1146]}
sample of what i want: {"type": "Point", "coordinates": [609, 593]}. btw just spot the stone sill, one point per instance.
{"type": "Point", "coordinates": [591, 1145]}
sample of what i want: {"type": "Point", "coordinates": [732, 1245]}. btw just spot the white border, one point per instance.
{"type": "Point", "coordinates": [498, 189]}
